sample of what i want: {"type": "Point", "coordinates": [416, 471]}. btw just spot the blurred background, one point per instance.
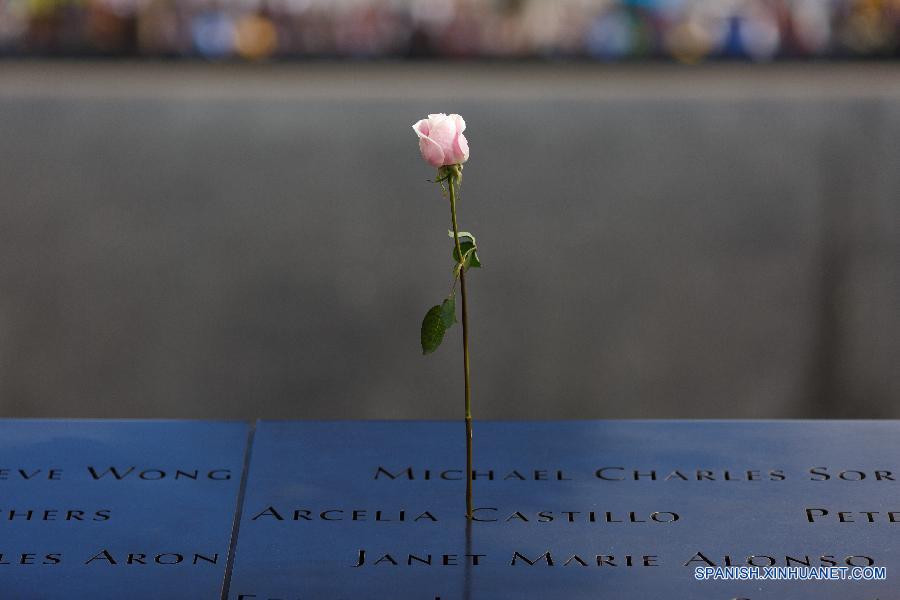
{"type": "Point", "coordinates": [682, 30]}
{"type": "Point", "coordinates": [218, 209]}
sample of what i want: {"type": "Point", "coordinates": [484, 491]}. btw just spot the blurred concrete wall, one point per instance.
{"type": "Point", "coordinates": [187, 241]}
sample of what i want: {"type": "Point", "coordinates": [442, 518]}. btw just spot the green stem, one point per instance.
{"type": "Point", "coordinates": [453, 183]}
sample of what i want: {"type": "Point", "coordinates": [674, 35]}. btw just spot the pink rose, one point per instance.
{"type": "Point", "coordinates": [441, 140]}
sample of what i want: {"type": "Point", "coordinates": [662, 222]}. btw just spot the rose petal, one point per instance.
{"type": "Point", "coordinates": [431, 151]}
{"type": "Point", "coordinates": [461, 149]}
{"type": "Point", "coordinates": [443, 133]}
{"type": "Point", "coordinates": [421, 127]}
{"type": "Point", "coordinates": [460, 123]}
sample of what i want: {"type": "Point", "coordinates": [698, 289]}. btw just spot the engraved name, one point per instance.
{"type": "Point", "coordinates": [825, 515]}
{"type": "Point", "coordinates": [621, 473]}
{"type": "Point", "coordinates": [105, 557]}
{"type": "Point", "coordinates": [549, 558]}
{"type": "Point", "coordinates": [486, 514]}
{"type": "Point", "coordinates": [118, 473]}
{"type": "Point", "coordinates": [54, 514]}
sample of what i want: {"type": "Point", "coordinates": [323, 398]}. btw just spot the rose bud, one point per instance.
{"type": "Point", "coordinates": [441, 140]}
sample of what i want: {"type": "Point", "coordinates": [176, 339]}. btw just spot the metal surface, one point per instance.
{"type": "Point", "coordinates": [742, 489]}
{"type": "Point", "coordinates": [115, 509]}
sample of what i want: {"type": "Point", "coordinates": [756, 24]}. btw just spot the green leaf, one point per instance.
{"type": "Point", "coordinates": [433, 329]}
{"type": "Point", "coordinates": [470, 254]}
{"type": "Point", "coordinates": [469, 250]}
{"type": "Point", "coordinates": [448, 311]}
{"type": "Point", "coordinates": [462, 234]}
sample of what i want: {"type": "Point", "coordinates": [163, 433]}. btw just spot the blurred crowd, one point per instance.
{"type": "Point", "coordinates": [611, 30]}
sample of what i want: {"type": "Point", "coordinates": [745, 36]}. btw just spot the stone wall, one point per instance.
{"type": "Point", "coordinates": [187, 241]}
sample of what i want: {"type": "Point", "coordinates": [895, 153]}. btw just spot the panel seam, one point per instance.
{"type": "Point", "coordinates": [238, 511]}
